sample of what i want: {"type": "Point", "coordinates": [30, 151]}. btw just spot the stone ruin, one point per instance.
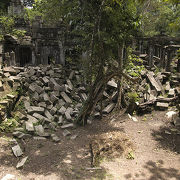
{"type": "Point", "coordinates": [41, 45]}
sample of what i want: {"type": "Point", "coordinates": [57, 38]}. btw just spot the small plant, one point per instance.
{"type": "Point", "coordinates": [130, 155]}
{"type": "Point", "coordinates": [133, 96]}
{"type": "Point", "coordinates": [144, 118]}
{"type": "Point", "coordinates": [8, 125]}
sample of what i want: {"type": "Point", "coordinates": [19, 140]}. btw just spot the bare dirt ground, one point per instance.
{"type": "Point", "coordinates": [156, 154]}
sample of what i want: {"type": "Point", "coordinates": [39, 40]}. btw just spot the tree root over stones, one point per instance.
{"type": "Point", "coordinates": [109, 145]}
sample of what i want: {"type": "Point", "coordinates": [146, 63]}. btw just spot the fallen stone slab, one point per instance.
{"type": "Point", "coordinates": [162, 106]}
{"type": "Point", "coordinates": [83, 96]}
{"type": "Point", "coordinates": [21, 163]}
{"type": "Point", "coordinates": [34, 109]}
{"type": "Point", "coordinates": [32, 119]}
{"type": "Point", "coordinates": [17, 151]}
{"type": "Point", "coordinates": [27, 105]}
{"type": "Point", "coordinates": [109, 108]}
{"type": "Point", "coordinates": [21, 135]}
{"type": "Point", "coordinates": [70, 84]}
{"type": "Point", "coordinates": [4, 103]}
{"type": "Point", "coordinates": [45, 80]}
{"type": "Point", "coordinates": [60, 120]}
{"type": "Point", "coordinates": [29, 126]}
{"type": "Point", "coordinates": [112, 83]}
{"type": "Point", "coordinates": [55, 138]}
{"type": "Point", "coordinates": [41, 118]}
{"type": "Point", "coordinates": [10, 70]}
{"type": "Point", "coordinates": [53, 110]}
{"type": "Point", "coordinates": [66, 98]}
{"type": "Point", "coordinates": [167, 87]}
{"type": "Point", "coordinates": [48, 115]}
{"type": "Point", "coordinates": [53, 98]}
{"type": "Point", "coordinates": [39, 130]}
{"type": "Point", "coordinates": [10, 96]}
{"type": "Point", "coordinates": [66, 133]}
{"type": "Point", "coordinates": [154, 82]}
{"type": "Point", "coordinates": [74, 137]}
{"type": "Point", "coordinates": [42, 104]}
{"type": "Point", "coordinates": [39, 138]}
{"type": "Point", "coordinates": [62, 110]}
{"type": "Point", "coordinates": [68, 116]}
{"type": "Point", "coordinates": [66, 126]}
{"type": "Point", "coordinates": [15, 78]}
{"type": "Point", "coordinates": [171, 93]}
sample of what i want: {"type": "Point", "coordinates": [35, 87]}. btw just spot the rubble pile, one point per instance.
{"type": "Point", "coordinates": [54, 97]}
{"type": "Point", "coordinates": [158, 91]}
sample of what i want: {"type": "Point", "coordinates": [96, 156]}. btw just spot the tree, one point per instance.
{"type": "Point", "coordinates": [160, 17]}
{"type": "Point", "coordinates": [4, 6]}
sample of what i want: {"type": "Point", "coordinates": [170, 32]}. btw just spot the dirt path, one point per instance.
{"type": "Point", "coordinates": [157, 154]}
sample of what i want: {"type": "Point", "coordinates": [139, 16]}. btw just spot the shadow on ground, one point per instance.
{"type": "Point", "coordinates": [67, 159]}
{"type": "Point", "coordinates": [168, 138]}
{"type": "Point", "coordinates": [157, 172]}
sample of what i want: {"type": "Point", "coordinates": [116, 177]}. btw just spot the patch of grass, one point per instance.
{"type": "Point", "coordinates": [9, 125]}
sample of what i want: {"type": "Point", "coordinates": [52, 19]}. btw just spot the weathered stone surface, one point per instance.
{"type": "Point", "coordinates": [154, 82]}
{"type": "Point", "coordinates": [48, 115]}
{"type": "Point", "coordinates": [53, 110]}
{"type": "Point", "coordinates": [66, 133]}
{"type": "Point", "coordinates": [32, 119]}
{"type": "Point", "coordinates": [109, 108]}
{"type": "Point", "coordinates": [171, 93]}
{"type": "Point", "coordinates": [45, 80]}
{"type": "Point", "coordinates": [70, 84]}
{"type": "Point", "coordinates": [162, 106]}
{"type": "Point", "coordinates": [167, 87]}
{"type": "Point", "coordinates": [17, 151]}
{"type": "Point", "coordinates": [39, 138]}
{"type": "Point", "coordinates": [112, 83]}
{"type": "Point", "coordinates": [42, 104]}
{"type": "Point", "coordinates": [26, 105]}
{"type": "Point", "coordinates": [35, 96]}
{"type": "Point", "coordinates": [62, 110]}
{"type": "Point", "coordinates": [39, 130]}
{"type": "Point", "coordinates": [71, 75]}
{"type": "Point", "coordinates": [53, 98]}
{"type": "Point", "coordinates": [71, 125]}
{"type": "Point", "coordinates": [68, 116]}
{"type": "Point", "coordinates": [45, 97]}
{"type": "Point", "coordinates": [55, 138]}
{"type": "Point", "coordinates": [65, 97]}
{"type": "Point", "coordinates": [22, 162]}
{"type": "Point", "coordinates": [29, 126]}
{"type": "Point", "coordinates": [83, 96]}
{"type": "Point", "coordinates": [34, 109]}
{"type": "Point", "coordinates": [4, 103]}
{"type": "Point", "coordinates": [40, 117]}
{"type": "Point", "coordinates": [10, 70]}
{"type": "Point", "coordinates": [60, 120]}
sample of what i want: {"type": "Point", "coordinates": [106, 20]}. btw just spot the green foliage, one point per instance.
{"type": "Point", "coordinates": [161, 16]}
{"type": "Point", "coordinates": [134, 66]}
{"type": "Point", "coordinates": [133, 96]}
{"type": "Point", "coordinates": [9, 124]}
{"type": "Point", "coordinates": [7, 27]}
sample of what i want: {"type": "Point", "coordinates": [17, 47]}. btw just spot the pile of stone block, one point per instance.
{"type": "Point", "coordinates": [158, 91]}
